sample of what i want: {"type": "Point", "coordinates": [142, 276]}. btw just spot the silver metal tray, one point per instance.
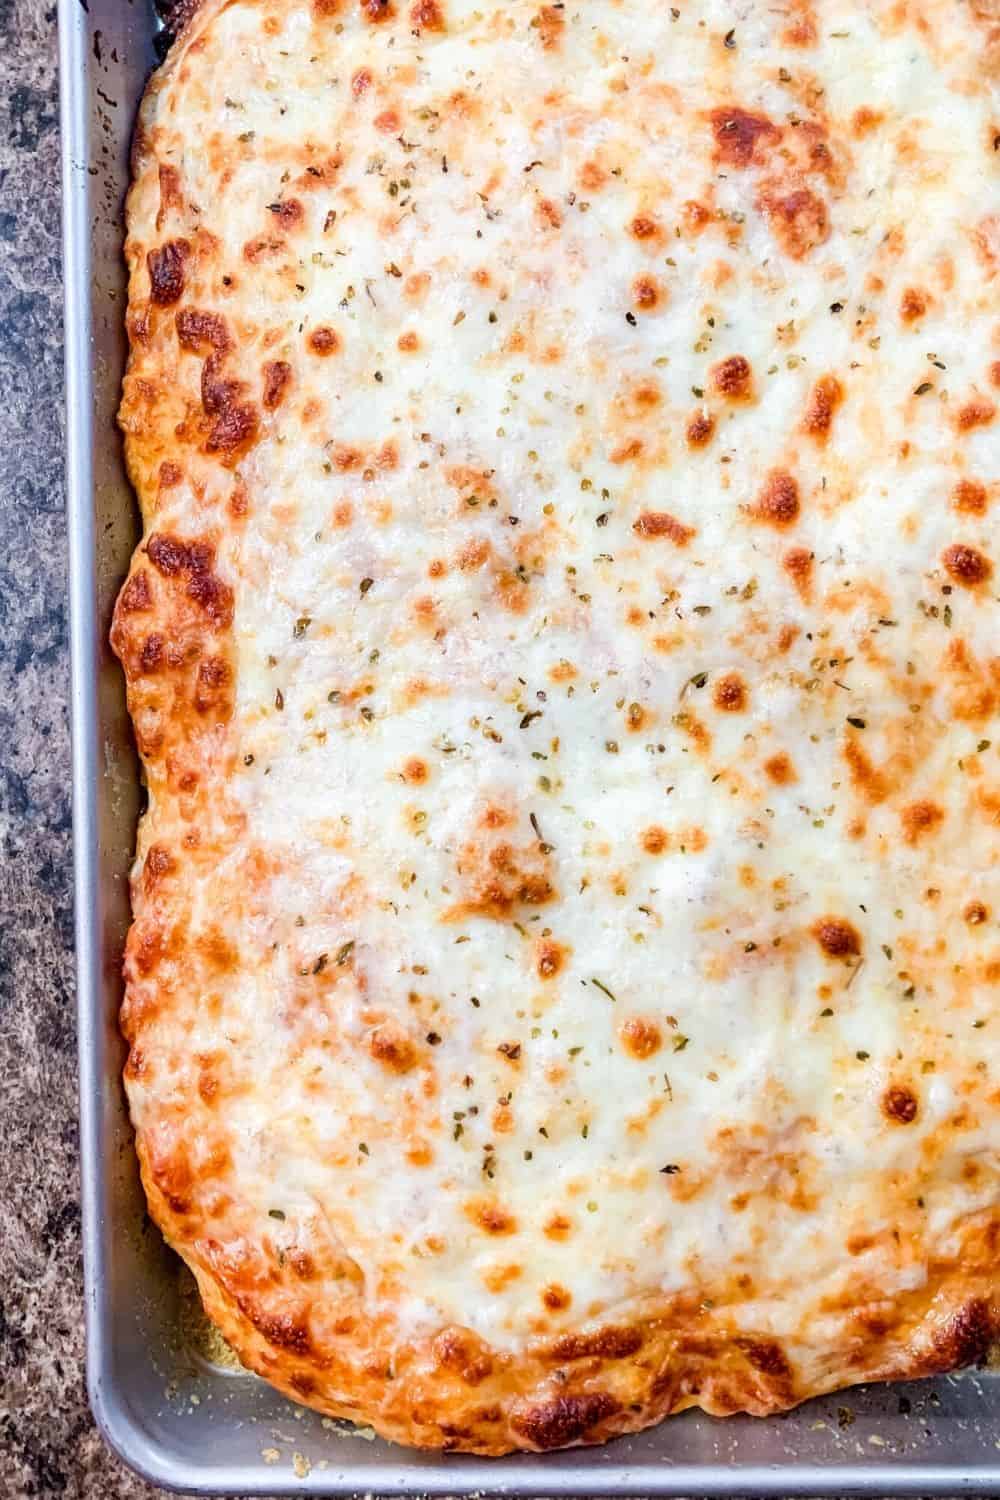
{"type": "Point", "coordinates": [172, 1413]}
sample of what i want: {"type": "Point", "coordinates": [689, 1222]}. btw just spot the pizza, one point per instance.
{"type": "Point", "coordinates": [564, 653]}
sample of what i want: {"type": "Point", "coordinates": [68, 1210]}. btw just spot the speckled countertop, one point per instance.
{"type": "Point", "coordinates": [48, 1445]}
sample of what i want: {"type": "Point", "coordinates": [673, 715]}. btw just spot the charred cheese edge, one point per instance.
{"type": "Point", "coordinates": [564, 652]}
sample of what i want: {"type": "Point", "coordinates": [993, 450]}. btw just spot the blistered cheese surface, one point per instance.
{"type": "Point", "coordinates": [565, 654]}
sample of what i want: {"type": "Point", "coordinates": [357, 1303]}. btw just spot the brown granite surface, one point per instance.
{"type": "Point", "coordinates": [48, 1445]}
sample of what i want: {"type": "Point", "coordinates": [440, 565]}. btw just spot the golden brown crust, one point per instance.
{"type": "Point", "coordinates": [587, 1389]}
{"type": "Point", "coordinates": [213, 374]}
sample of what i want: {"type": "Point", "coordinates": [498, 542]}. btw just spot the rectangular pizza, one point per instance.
{"type": "Point", "coordinates": [564, 653]}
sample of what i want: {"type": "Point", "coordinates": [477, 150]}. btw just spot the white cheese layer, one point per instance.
{"type": "Point", "coordinates": [464, 626]}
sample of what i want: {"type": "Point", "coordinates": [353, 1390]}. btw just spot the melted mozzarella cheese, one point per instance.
{"type": "Point", "coordinates": [522, 670]}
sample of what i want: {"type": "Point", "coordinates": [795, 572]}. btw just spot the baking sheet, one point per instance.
{"type": "Point", "coordinates": [159, 1391]}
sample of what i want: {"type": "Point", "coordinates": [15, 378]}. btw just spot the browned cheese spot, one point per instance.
{"type": "Point", "coordinates": [647, 396]}
{"type": "Point", "coordinates": [239, 500]}
{"type": "Point", "coordinates": [767, 1357]}
{"type": "Point", "coordinates": [213, 680]}
{"type": "Point", "coordinates": [233, 431]}
{"type": "Point", "coordinates": [976, 412]}
{"type": "Point", "coordinates": [324, 341]}
{"type": "Point", "coordinates": [866, 778]}
{"type": "Point", "coordinates": [976, 913]}
{"type": "Point", "coordinates": [801, 31]}
{"type": "Point", "coordinates": [498, 877]}
{"type": "Point", "coordinates": [151, 654]}
{"type": "Point", "coordinates": [220, 955]}
{"type": "Point", "coordinates": [460, 1350]}
{"type": "Point", "coordinates": [284, 1330]}
{"type": "Point", "coordinates": [158, 863]}
{"type": "Point", "coordinates": [217, 393]}
{"type": "Point", "coordinates": [393, 1049]}
{"type": "Point", "coordinates": [200, 332]}
{"type": "Point", "coordinates": [137, 596]}
{"type": "Point", "coordinates": [550, 958]}
{"type": "Point", "coordinates": [778, 502]}
{"type": "Point", "coordinates": [780, 769]}
{"type": "Point", "coordinates": [289, 213]}
{"type": "Point", "coordinates": [208, 1085]}
{"type": "Point", "coordinates": [377, 10]}
{"type": "Point", "coordinates": [644, 227]}
{"type": "Point", "coordinates": [549, 24]}
{"type": "Point", "coordinates": [548, 213]}
{"type": "Point", "coordinates": [640, 1037]}
{"type": "Point", "coordinates": [865, 120]}
{"type": "Point", "coordinates": [592, 176]}
{"type": "Point", "coordinates": [837, 937]}
{"type": "Point", "coordinates": [732, 378]}
{"type": "Point", "coordinates": [558, 1227]}
{"type": "Point", "coordinates": [563, 1419]}
{"type": "Point", "coordinates": [555, 1297]}
{"type": "Point", "coordinates": [263, 247]}
{"type": "Point", "coordinates": [173, 557]}
{"type": "Point", "coordinates": [824, 399]}
{"type": "Point", "coordinates": [408, 343]}
{"type": "Point", "coordinates": [646, 293]}
{"type": "Point", "coordinates": [655, 524]}
{"type": "Point", "coordinates": [655, 840]}
{"type": "Point", "coordinates": [473, 554]}
{"type": "Point", "coordinates": [798, 564]}
{"type": "Point", "coordinates": [345, 458]}
{"type": "Point", "coordinates": [963, 1339]}
{"type": "Point", "coordinates": [912, 304]}
{"type": "Point", "coordinates": [512, 591]}
{"type": "Point", "coordinates": [427, 15]}
{"type": "Point", "coordinates": [730, 693]}
{"type": "Point", "coordinates": [798, 220]}
{"type": "Point", "coordinates": [967, 565]}
{"type": "Point", "coordinates": [970, 497]}
{"type": "Point", "coordinates": [919, 819]}
{"type": "Point", "coordinates": [700, 429]}
{"type": "Point", "coordinates": [695, 216]}
{"type": "Point", "coordinates": [604, 1343]}
{"type": "Point", "coordinates": [277, 378]}
{"type": "Point", "coordinates": [491, 1218]}
{"type": "Point", "coordinates": [171, 197]}
{"type": "Point", "coordinates": [899, 1104]}
{"type": "Point", "coordinates": [166, 271]}
{"type": "Point", "coordinates": [741, 138]}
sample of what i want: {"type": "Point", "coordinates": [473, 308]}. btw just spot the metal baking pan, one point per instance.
{"type": "Point", "coordinates": [171, 1410]}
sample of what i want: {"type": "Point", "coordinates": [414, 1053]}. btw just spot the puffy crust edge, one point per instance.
{"type": "Point", "coordinates": [457, 1394]}
{"type": "Point", "coordinates": [452, 1392]}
